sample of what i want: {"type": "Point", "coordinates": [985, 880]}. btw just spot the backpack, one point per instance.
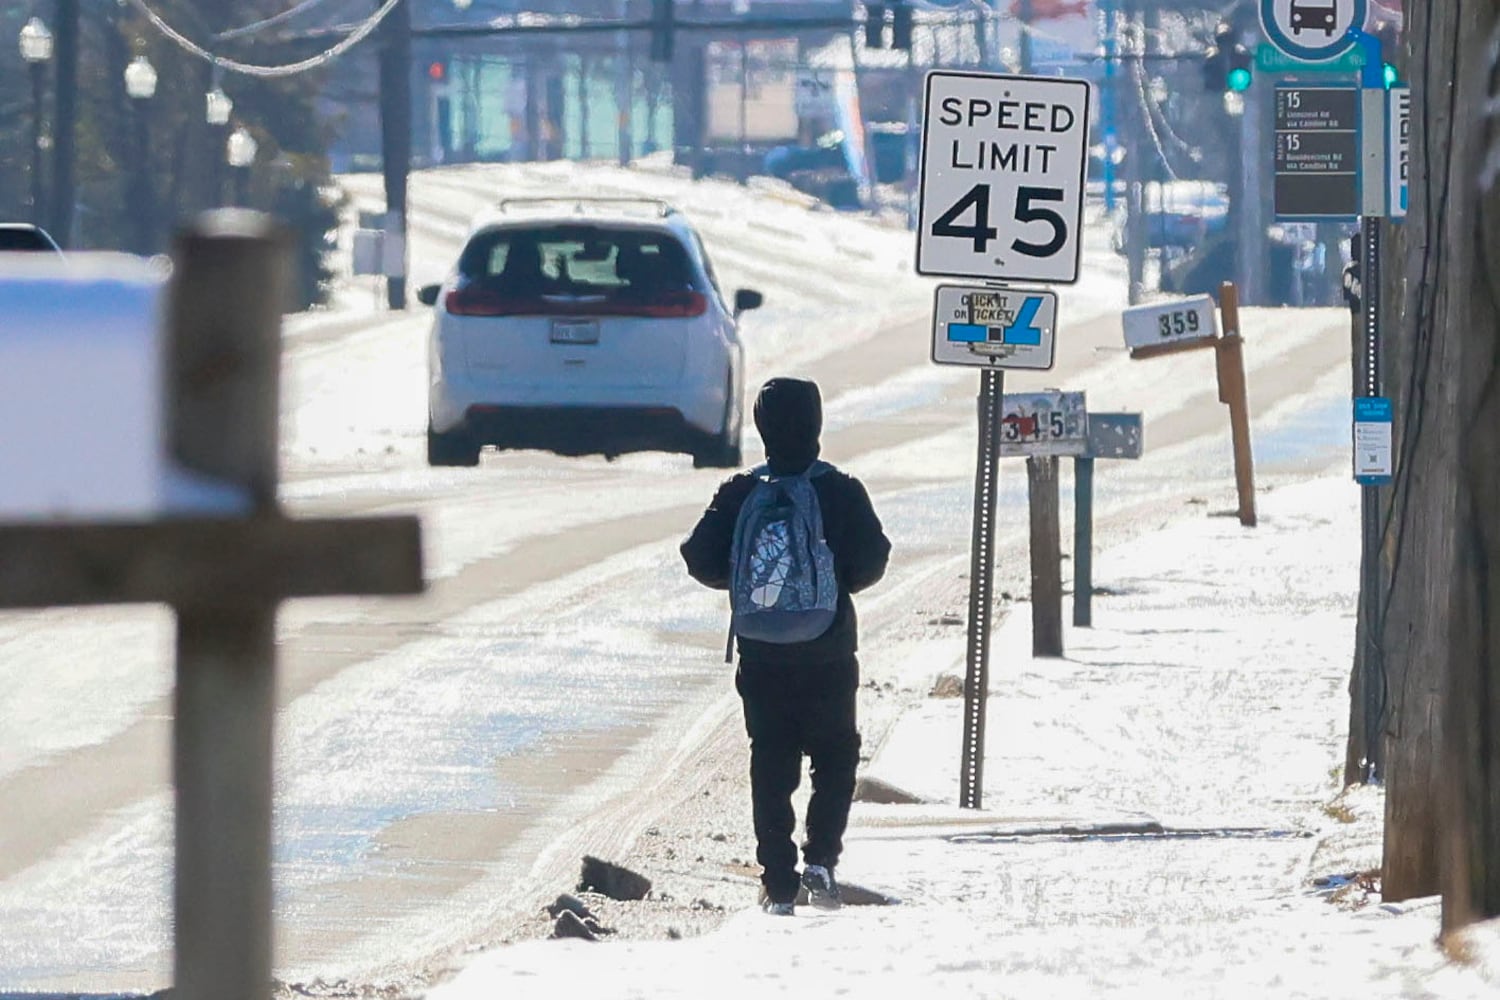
{"type": "Point", "coordinates": [782, 583]}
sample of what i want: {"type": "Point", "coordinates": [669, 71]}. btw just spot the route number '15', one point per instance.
{"type": "Point", "coordinates": [1030, 207]}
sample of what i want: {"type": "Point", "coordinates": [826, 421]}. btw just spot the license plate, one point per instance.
{"type": "Point", "coordinates": [575, 331]}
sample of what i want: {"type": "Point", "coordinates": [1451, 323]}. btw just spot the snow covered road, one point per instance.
{"type": "Point", "coordinates": [439, 757]}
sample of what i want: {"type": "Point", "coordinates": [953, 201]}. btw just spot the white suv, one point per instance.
{"type": "Point", "coordinates": [585, 326]}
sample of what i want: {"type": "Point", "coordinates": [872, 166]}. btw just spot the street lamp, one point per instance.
{"type": "Point", "coordinates": [36, 49]}
{"type": "Point", "coordinates": [217, 109]}
{"type": "Point", "coordinates": [140, 84]}
{"type": "Point", "coordinates": [240, 150]}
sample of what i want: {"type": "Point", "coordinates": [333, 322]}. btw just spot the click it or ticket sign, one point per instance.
{"type": "Point", "coordinates": [1003, 165]}
{"type": "Point", "coordinates": [994, 327]}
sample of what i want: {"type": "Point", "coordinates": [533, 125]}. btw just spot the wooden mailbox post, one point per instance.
{"type": "Point", "coordinates": [1041, 426]}
{"type": "Point", "coordinates": [1187, 326]}
{"type": "Point", "coordinates": [224, 577]}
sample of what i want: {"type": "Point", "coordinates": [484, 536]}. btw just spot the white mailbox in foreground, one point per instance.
{"type": "Point", "coordinates": [82, 392]}
{"type": "Point", "coordinates": [1171, 322]}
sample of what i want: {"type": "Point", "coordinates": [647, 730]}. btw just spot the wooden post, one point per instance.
{"type": "Point", "coordinates": [1046, 556]}
{"type": "Point", "coordinates": [1083, 541]}
{"type": "Point", "coordinates": [225, 350]}
{"type": "Point", "coordinates": [1230, 351]}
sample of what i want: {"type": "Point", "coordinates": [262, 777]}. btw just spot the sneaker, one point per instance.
{"type": "Point", "coordinates": [768, 905]}
{"type": "Point", "coordinates": [822, 890]}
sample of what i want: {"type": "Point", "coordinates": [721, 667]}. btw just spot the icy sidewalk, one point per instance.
{"type": "Point", "coordinates": [1202, 718]}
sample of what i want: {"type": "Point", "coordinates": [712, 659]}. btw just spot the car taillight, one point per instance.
{"type": "Point", "coordinates": [476, 301]}
{"type": "Point", "coordinates": [674, 305]}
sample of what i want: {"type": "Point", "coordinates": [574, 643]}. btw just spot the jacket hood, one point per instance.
{"type": "Point", "coordinates": [789, 416]}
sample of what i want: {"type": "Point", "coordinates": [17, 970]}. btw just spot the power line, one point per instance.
{"type": "Point", "coordinates": [1139, 75]}
{"type": "Point", "coordinates": [269, 22]}
{"type": "Point", "coordinates": [359, 34]}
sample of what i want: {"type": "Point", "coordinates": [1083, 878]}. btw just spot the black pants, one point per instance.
{"type": "Point", "coordinates": [791, 710]}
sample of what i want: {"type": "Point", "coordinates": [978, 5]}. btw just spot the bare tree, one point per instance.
{"type": "Point", "coordinates": [1441, 638]}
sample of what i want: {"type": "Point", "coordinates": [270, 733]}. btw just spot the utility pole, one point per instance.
{"type": "Point", "coordinates": [64, 141]}
{"type": "Point", "coordinates": [1024, 16]}
{"type": "Point", "coordinates": [395, 141]}
{"type": "Point", "coordinates": [624, 88]}
{"type": "Point", "coordinates": [1253, 258]}
{"type": "Point", "coordinates": [1109, 100]}
{"type": "Point", "coordinates": [1133, 124]}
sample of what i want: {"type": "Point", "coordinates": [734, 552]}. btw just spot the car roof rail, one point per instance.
{"type": "Point", "coordinates": [663, 208]}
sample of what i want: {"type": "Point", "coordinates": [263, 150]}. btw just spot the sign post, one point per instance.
{"type": "Point", "coordinates": [1110, 436]}
{"type": "Point", "coordinates": [1003, 166]}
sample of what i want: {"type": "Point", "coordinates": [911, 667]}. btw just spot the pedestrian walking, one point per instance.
{"type": "Point", "coordinates": [791, 540]}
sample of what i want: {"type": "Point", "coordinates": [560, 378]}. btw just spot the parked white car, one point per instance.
{"type": "Point", "coordinates": [585, 326]}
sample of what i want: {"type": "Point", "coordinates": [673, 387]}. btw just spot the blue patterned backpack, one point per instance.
{"type": "Point", "coordinates": [782, 583]}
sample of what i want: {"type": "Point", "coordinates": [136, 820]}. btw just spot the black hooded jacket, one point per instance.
{"type": "Point", "coordinates": [789, 416]}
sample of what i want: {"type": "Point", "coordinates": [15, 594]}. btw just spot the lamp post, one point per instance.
{"type": "Point", "coordinates": [140, 84]}
{"type": "Point", "coordinates": [240, 151]}
{"type": "Point", "coordinates": [217, 109]}
{"type": "Point", "coordinates": [36, 49]}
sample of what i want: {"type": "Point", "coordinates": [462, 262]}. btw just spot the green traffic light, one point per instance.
{"type": "Point", "coordinates": [1239, 80]}
{"type": "Point", "coordinates": [1390, 75]}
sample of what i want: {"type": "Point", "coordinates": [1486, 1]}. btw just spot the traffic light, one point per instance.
{"type": "Point", "coordinates": [663, 29]}
{"type": "Point", "coordinates": [874, 25]}
{"type": "Point", "coordinates": [1228, 65]}
{"type": "Point", "coordinates": [1390, 49]}
{"type": "Point", "coordinates": [437, 71]}
{"type": "Point", "coordinates": [901, 26]}
{"type": "Point", "coordinates": [1239, 77]}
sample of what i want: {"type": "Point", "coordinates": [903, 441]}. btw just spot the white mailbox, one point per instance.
{"type": "Point", "coordinates": [82, 393]}
{"type": "Point", "coordinates": [1171, 322]}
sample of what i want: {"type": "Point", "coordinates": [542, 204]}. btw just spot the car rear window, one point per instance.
{"type": "Point", "coordinates": [579, 261]}
{"type": "Point", "coordinates": [20, 238]}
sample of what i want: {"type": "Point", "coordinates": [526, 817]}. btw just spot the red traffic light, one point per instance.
{"type": "Point", "coordinates": [437, 71]}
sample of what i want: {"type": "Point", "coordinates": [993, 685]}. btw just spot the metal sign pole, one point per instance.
{"type": "Point", "coordinates": [1369, 563]}
{"type": "Point", "coordinates": [1083, 541]}
{"type": "Point", "coordinates": [981, 587]}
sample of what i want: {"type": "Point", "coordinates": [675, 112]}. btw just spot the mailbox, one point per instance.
{"type": "Point", "coordinates": [82, 393]}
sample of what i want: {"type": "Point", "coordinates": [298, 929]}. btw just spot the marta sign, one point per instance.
{"type": "Point", "coordinates": [1003, 163]}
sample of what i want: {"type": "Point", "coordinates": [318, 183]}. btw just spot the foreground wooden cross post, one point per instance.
{"type": "Point", "coordinates": [225, 578]}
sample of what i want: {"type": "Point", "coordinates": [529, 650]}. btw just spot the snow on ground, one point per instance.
{"type": "Point", "coordinates": [1209, 698]}
{"type": "Point", "coordinates": [93, 914]}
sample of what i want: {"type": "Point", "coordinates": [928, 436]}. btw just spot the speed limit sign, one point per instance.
{"type": "Point", "coordinates": [1003, 167]}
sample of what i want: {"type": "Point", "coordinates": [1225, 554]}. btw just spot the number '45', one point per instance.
{"type": "Point", "coordinates": [981, 232]}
